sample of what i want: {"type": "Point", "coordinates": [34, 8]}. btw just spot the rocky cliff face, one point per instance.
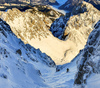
{"type": "Point", "coordinates": [32, 26]}
{"type": "Point", "coordinates": [89, 59]}
{"type": "Point", "coordinates": [76, 27]}
{"type": "Point", "coordinates": [32, 23]}
{"type": "Point", "coordinates": [69, 4]}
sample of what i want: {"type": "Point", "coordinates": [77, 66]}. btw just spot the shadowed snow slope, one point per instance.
{"type": "Point", "coordinates": [88, 75]}
{"type": "Point", "coordinates": [18, 62]}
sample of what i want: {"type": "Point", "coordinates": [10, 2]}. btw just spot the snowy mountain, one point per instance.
{"type": "Point", "coordinates": [75, 27]}
{"type": "Point", "coordinates": [33, 25]}
{"type": "Point", "coordinates": [23, 66]}
{"type": "Point", "coordinates": [69, 4]}
{"type": "Point", "coordinates": [88, 75]}
{"type": "Point", "coordinates": [19, 62]}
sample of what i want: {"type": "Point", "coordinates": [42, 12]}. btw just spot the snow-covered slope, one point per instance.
{"type": "Point", "coordinates": [75, 27]}
{"type": "Point", "coordinates": [32, 26]}
{"type": "Point", "coordinates": [18, 62]}
{"type": "Point", "coordinates": [88, 75]}
{"type": "Point", "coordinates": [22, 66]}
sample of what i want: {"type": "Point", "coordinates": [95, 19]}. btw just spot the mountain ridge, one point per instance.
{"type": "Point", "coordinates": [71, 59]}
{"type": "Point", "coordinates": [76, 26]}
{"type": "Point", "coordinates": [69, 4]}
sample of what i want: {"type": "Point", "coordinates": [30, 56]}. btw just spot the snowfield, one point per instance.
{"type": "Point", "coordinates": [22, 66]}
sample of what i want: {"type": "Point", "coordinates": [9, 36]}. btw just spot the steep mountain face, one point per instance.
{"type": "Point", "coordinates": [76, 27]}
{"type": "Point", "coordinates": [32, 26]}
{"type": "Point", "coordinates": [81, 16]}
{"type": "Point", "coordinates": [81, 23]}
{"type": "Point", "coordinates": [22, 66]}
{"type": "Point", "coordinates": [38, 18]}
{"type": "Point", "coordinates": [19, 62]}
{"type": "Point", "coordinates": [30, 52]}
{"type": "Point", "coordinates": [69, 4]}
{"type": "Point", "coordinates": [89, 62]}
